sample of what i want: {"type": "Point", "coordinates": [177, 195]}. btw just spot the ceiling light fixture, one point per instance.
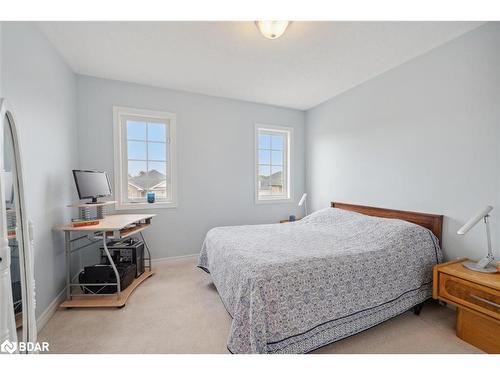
{"type": "Point", "coordinates": [272, 29]}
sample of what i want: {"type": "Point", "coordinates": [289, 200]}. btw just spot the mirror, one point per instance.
{"type": "Point", "coordinates": [16, 228]}
{"type": "Point", "coordinates": [12, 229]}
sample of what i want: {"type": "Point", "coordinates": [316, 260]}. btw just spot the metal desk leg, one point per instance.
{"type": "Point", "coordinates": [67, 247]}
{"type": "Point", "coordinates": [147, 249]}
{"type": "Point", "coordinates": [105, 245]}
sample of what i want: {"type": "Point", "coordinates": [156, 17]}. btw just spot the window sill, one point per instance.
{"type": "Point", "coordinates": [273, 200]}
{"type": "Point", "coordinates": [144, 206]}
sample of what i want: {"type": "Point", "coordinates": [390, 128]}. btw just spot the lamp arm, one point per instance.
{"type": "Point", "coordinates": [483, 263]}
{"type": "Point", "coordinates": [488, 237]}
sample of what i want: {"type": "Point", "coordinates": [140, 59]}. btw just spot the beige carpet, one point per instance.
{"type": "Point", "coordinates": [178, 310]}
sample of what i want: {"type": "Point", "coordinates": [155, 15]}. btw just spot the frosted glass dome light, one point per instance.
{"type": "Point", "coordinates": [272, 29]}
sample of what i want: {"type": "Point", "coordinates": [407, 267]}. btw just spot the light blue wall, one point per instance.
{"type": "Point", "coordinates": [424, 136]}
{"type": "Point", "coordinates": [41, 90]}
{"type": "Point", "coordinates": [215, 157]}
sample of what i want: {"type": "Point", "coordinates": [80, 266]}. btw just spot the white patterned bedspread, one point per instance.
{"type": "Point", "coordinates": [292, 288]}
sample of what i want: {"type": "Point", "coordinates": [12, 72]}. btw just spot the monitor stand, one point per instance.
{"type": "Point", "coordinates": [86, 208]}
{"type": "Point", "coordinates": [94, 201]}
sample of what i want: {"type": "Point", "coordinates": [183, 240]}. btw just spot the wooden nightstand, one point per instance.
{"type": "Point", "coordinates": [477, 298]}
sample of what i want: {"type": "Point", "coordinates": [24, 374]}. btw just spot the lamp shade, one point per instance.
{"type": "Point", "coordinates": [474, 220]}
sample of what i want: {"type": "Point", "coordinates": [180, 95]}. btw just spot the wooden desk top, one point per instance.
{"type": "Point", "coordinates": [109, 223]}
{"type": "Point", "coordinates": [457, 269]}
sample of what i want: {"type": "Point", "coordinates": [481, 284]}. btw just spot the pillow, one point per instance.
{"type": "Point", "coordinates": [330, 216]}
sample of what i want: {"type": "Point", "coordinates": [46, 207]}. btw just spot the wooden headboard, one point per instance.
{"type": "Point", "coordinates": [429, 221]}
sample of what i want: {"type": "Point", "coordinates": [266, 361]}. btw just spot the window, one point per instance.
{"type": "Point", "coordinates": [144, 158]}
{"type": "Point", "coordinates": [272, 159]}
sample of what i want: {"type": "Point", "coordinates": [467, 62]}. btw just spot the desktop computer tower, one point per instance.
{"type": "Point", "coordinates": [104, 273]}
{"type": "Point", "coordinates": [129, 250]}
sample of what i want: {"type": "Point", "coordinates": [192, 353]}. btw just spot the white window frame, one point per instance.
{"type": "Point", "coordinates": [288, 131]}
{"type": "Point", "coordinates": [120, 115]}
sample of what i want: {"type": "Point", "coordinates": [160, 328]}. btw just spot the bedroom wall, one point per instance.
{"type": "Point", "coordinates": [41, 90]}
{"type": "Point", "coordinates": [215, 157]}
{"type": "Point", "coordinates": [424, 136]}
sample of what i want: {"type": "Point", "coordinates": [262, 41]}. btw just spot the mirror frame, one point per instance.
{"type": "Point", "coordinates": [25, 241]}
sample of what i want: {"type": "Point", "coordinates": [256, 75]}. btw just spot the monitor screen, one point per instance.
{"type": "Point", "coordinates": [91, 184]}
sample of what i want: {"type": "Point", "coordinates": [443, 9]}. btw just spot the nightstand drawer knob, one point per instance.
{"type": "Point", "coordinates": [486, 301]}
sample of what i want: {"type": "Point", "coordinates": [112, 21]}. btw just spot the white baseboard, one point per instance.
{"type": "Point", "coordinates": [159, 260]}
{"type": "Point", "coordinates": [50, 310]}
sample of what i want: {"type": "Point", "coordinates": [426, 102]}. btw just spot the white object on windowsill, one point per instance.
{"type": "Point", "coordinates": [303, 201]}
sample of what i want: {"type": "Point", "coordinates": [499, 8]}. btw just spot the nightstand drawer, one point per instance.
{"type": "Point", "coordinates": [471, 295]}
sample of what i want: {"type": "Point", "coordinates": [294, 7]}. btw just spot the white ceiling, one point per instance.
{"type": "Point", "coordinates": [311, 63]}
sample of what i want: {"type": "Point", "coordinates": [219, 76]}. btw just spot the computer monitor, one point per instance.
{"type": "Point", "coordinates": [91, 184]}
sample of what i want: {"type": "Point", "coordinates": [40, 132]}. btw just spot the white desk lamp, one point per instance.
{"type": "Point", "coordinates": [484, 265]}
{"type": "Point", "coordinates": [303, 201]}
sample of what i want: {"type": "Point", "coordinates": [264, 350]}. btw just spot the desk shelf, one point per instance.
{"type": "Point", "coordinates": [126, 232]}
{"type": "Point", "coordinates": [94, 300]}
{"type": "Point", "coordinates": [91, 205]}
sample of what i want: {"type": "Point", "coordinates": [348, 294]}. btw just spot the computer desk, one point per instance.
{"type": "Point", "coordinates": [111, 227]}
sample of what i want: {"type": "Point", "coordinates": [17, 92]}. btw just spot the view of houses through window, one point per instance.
{"type": "Point", "coordinates": [272, 163]}
{"type": "Point", "coordinates": [147, 151]}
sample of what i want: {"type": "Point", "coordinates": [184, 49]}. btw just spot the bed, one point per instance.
{"type": "Point", "coordinates": [295, 287]}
